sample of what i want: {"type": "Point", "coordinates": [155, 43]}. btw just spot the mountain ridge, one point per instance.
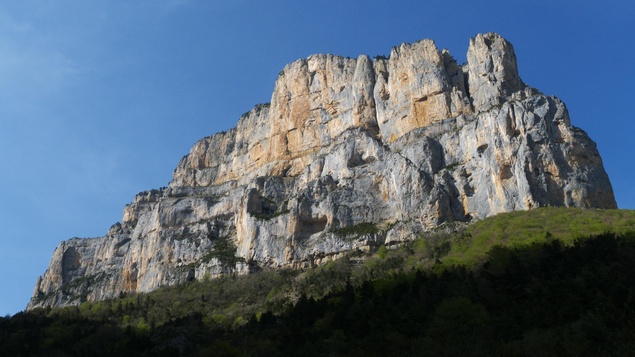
{"type": "Point", "coordinates": [404, 144]}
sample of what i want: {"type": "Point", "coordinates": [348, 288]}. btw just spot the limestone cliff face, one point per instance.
{"type": "Point", "coordinates": [405, 143]}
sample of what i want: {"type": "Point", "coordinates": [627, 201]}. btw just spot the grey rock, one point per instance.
{"type": "Point", "coordinates": [493, 71]}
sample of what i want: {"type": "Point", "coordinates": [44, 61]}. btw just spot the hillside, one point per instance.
{"type": "Point", "coordinates": [549, 281]}
{"type": "Point", "coordinates": [393, 147]}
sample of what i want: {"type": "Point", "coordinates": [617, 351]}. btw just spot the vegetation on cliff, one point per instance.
{"type": "Point", "coordinates": [547, 281]}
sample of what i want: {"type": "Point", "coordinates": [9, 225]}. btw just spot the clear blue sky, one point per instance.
{"type": "Point", "coordinates": [100, 99]}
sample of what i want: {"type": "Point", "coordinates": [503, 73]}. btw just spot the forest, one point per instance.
{"type": "Point", "coordinates": [550, 281]}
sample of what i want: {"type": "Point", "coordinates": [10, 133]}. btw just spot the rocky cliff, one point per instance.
{"type": "Point", "coordinates": [349, 154]}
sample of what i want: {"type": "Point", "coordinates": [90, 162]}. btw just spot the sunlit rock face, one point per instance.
{"type": "Point", "coordinates": [404, 143]}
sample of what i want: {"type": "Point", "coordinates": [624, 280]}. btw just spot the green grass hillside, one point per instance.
{"type": "Point", "coordinates": [551, 281]}
{"type": "Point", "coordinates": [522, 228]}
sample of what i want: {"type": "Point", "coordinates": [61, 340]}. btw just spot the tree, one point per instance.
{"type": "Point", "coordinates": [224, 250]}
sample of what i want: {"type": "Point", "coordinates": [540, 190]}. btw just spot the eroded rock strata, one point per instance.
{"type": "Point", "coordinates": [399, 144]}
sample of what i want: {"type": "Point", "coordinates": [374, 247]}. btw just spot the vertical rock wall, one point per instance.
{"type": "Point", "coordinates": [403, 144]}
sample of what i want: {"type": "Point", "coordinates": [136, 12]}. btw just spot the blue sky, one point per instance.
{"type": "Point", "coordinates": [100, 99]}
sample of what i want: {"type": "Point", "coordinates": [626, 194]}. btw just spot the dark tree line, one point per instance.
{"type": "Point", "coordinates": [543, 299]}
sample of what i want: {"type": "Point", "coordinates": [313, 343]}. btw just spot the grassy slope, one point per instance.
{"type": "Point", "coordinates": [202, 310]}
{"type": "Point", "coordinates": [522, 228]}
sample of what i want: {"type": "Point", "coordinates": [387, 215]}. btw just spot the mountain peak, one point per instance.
{"type": "Point", "coordinates": [349, 154]}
